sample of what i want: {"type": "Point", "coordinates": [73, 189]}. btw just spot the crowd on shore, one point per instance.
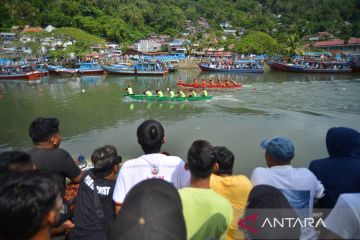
{"type": "Point", "coordinates": [159, 196]}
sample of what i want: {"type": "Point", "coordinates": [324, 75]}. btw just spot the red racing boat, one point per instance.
{"type": "Point", "coordinates": [215, 85]}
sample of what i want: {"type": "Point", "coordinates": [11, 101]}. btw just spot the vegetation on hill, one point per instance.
{"type": "Point", "coordinates": [127, 21]}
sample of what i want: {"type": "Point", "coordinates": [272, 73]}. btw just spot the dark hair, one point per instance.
{"type": "Point", "coordinates": [25, 200]}
{"type": "Point", "coordinates": [268, 202]}
{"type": "Point", "coordinates": [225, 159]}
{"type": "Point", "coordinates": [41, 129]}
{"type": "Point", "coordinates": [104, 159]}
{"type": "Point", "coordinates": [201, 158]}
{"type": "Point", "coordinates": [150, 136]}
{"type": "Point", "coordinates": [15, 161]}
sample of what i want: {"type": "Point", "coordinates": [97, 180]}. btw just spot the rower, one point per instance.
{"type": "Point", "coordinates": [235, 83]}
{"type": "Point", "coordinates": [204, 93]}
{"type": "Point", "coordinates": [180, 81]}
{"type": "Point", "coordinates": [227, 83]}
{"type": "Point", "coordinates": [171, 93]}
{"type": "Point", "coordinates": [195, 82]}
{"type": "Point", "coordinates": [159, 93]}
{"type": "Point", "coordinates": [203, 82]}
{"type": "Point", "coordinates": [129, 90]}
{"type": "Point", "coordinates": [211, 82]}
{"type": "Point", "coordinates": [181, 94]}
{"type": "Point", "coordinates": [148, 93]}
{"type": "Point", "coordinates": [191, 93]}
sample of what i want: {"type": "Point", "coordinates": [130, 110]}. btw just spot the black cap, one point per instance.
{"type": "Point", "coordinates": [152, 210]}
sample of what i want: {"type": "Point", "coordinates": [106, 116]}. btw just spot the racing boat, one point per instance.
{"type": "Point", "coordinates": [215, 85]}
{"type": "Point", "coordinates": [166, 98]}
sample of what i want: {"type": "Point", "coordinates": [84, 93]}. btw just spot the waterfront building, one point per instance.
{"type": "Point", "coordinates": [352, 45]}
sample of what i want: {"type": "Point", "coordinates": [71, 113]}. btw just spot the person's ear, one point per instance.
{"type": "Point", "coordinates": [163, 140]}
{"type": "Point", "coordinates": [215, 167]}
{"type": "Point", "coordinates": [116, 168]}
{"type": "Point", "coordinates": [186, 166]}
{"type": "Point", "coordinates": [51, 218]}
{"type": "Point", "coordinates": [53, 140]}
{"type": "Point", "coordinates": [269, 161]}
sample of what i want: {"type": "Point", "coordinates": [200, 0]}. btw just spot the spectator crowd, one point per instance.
{"type": "Point", "coordinates": [159, 196]}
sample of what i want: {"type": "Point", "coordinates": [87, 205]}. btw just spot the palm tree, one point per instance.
{"type": "Point", "coordinates": [293, 45]}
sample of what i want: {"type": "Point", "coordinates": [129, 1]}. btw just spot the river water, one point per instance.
{"type": "Point", "coordinates": [92, 113]}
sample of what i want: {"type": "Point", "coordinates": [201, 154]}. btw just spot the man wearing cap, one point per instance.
{"type": "Point", "coordinates": [299, 185]}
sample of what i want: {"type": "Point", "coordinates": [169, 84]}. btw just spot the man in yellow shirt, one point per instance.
{"type": "Point", "coordinates": [171, 93]}
{"type": "Point", "coordinates": [235, 188]}
{"type": "Point", "coordinates": [181, 94]}
{"type": "Point", "coordinates": [159, 93]}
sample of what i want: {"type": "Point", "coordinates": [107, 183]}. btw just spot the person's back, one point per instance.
{"type": "Point", "coordinates": [341, 169]}
{"type": "Point", "coordinates": [344, 219]}
{"type": "Point", "coordinates": [148, 93]}
{"type": "Point", "coordinates": [299, 185]}
{"type": "Point", "coordinates": [88, 224]}
{"type": "Point", "coordinates": [207, 214]}
{"type": "Point", "coordinates": [46, 153]}
{"type": "Point", "coordinates": [153, 164]}
{"type": "Point", "coordinates": [235, 188]}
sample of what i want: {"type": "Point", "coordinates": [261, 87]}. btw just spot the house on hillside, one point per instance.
{"type": "Point", "coordinates": [352, 46]}
{"type": "Point", "coordinates": [318, 36]}
{"type": "Point", "coordinates": [7, 38]}
{"type": "Point", "coordinates": [147, 46]}
{"type": "Point", "coordinates": [28, 29]}
{"type": "Point", "coordinates": [178, 45]}
{"type": "Point", "coordinates": [49, 28]}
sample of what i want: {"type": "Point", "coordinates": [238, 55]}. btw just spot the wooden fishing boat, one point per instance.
{"type": "Point", "coordinates": [61, 70]}
{"type": "Point", "coordinates": [18, 73]}
{"type": "Point", "coordinates": [166, 98]}
{"type": "Point", "coordinates": [90, 68]}
{"type": "Point", "coordinates": [250, 66]}
{"type": "Point", "coordinates": [315, 67]}
{"type": "Point", "coordinates": [146, 68]}
{"type": "Point", "coordinates": [191, 85]}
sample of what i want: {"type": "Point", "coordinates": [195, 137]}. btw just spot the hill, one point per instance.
{"type": "Point", "coordinates": [130, 20]}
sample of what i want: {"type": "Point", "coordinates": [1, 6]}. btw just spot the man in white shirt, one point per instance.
{"type": "Point", "coordinates": [153, 164]}
{"type": "Point", "coordinates": [344, 220]}
{"type": "Point", "coordinates": [299, 185]}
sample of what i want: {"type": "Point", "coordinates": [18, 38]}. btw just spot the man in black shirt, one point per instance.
{"type": "Point", "coordinates": [88, 222]}
{"type": "Point", "coordinates": [46, 153]}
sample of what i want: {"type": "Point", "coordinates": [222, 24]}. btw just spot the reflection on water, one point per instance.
{"type": "Point", "coordinates": [93, 112]}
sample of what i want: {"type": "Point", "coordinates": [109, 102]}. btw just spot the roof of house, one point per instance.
{"type": "Point", "coordinates": [337, 42]}
{"type": "Point", "coordinates": [32, 29]}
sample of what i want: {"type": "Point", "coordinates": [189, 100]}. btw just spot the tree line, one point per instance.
{"type": "Point", "coordinates": [127, 21]}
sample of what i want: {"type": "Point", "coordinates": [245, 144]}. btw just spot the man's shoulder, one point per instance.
{"type": "Point", "coordinates": [318, 163]}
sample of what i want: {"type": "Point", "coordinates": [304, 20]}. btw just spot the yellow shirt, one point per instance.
{"type": "Point", "coordinates": [236, 189]}
{"type": "Point", "coordinates": [181, 94]}
{"type": "Point", "coordinates": [160, 94]}
{"type": "Point", "coordinates": [130, 91]}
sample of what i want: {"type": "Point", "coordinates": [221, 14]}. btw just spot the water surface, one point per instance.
{"type": "Point", "coordinates": [92, 113]}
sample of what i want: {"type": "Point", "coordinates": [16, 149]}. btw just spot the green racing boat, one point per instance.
{"type": "Point", "coordinates": [166, 98]}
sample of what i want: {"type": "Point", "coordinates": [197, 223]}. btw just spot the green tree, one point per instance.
{"type": "Point", "coordinates": [293, 46]}
{"type": "Point", "coordinates": [257, 43]}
